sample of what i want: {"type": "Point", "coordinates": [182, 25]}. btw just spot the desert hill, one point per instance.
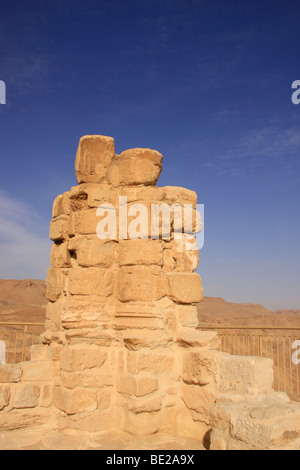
{"type": "Point", "coordinates": [22, 301]}
{"type": "Point", "coordinates": [216, 311]}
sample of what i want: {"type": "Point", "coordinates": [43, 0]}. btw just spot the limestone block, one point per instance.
{"type": "Point", "coordinates": [185, 256]}
{"type": "Point", "coordinates": [74, 401]}
{"type": "Point", "coordinates": [241, 374]}
{"type": "Point", "coordinates": [80, 357]}
{"type": "Point", "coordinates": [10, 373]}
{"type": "Point", "coordinates": [40, 352]}
{"type": "Point", "coordinates": [187, 315]}
{"type": "Point", "coordinates": [55, 284]}
{"type": "Point", "coordinates": [137, 386]}
{"type": "Point", "coordinates": [4, 396]}
{"type": "Point", "coordinates": [91, 422]}
{"type": "Point", "coordinates": [200, 368]}
{"type": "Point", "coordinates": [61, 205]}
{"type": "Point", "coordinates": [59, 228]}
{"type": "Point", "coordinates": [140, 194]}
{"type": "Point", "coordinates": [136, 166]}
{"type": "Point", "coordinates": [88, 378]}
{"type": "Point", "coordinates": [84, 222]}
{"type": "Point", "coordinates": [145, 405]}
{"type": "Point", "coordinates": [60, 256]}
{"type": "Point", "coordinates": [147, 362]}
{"type": "Point", "coordinates": [198, 339]}
{"type": "Point", "coordinates": [178, 195]}
{"type": "Point", "coordinates": [199, 399]}
{"type": "Point", "coordinates": [36, 371]}
{"type": "Point", "coordinates": [185, 287]}
{"type": "Point", "coordinates": [46, 395]}
{"type": "Point", "coordinates": [26, 396]}
{"type": "Point", "coordinates": [91, 251]}
{"type": "Point", "coordinates": [141, 283]}
{"type": "Point", "coordinates": [104, 399]}
{"type": "Point", "coordinates": [101, 194]}
{"type": "Point", "coordinates": [140, 252]}
{"type": "Point", "coordinates": [94, 155]}
{"type": "Point", "coordinates": [88, 281]}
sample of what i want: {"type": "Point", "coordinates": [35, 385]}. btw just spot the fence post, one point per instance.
{"type": "Point", "coordinates": [2, 353]}
{"type": "Point", "coordinates": [260, 343]}
{"type": "Point", "coordinates": [24, 342]}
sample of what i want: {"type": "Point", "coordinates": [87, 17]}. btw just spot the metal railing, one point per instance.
{"type": "Point", "coordinates": [274, 342]}
{"type": "Point", "coordinates": [18, 337]}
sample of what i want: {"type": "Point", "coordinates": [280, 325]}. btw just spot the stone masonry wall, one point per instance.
{"type": "Point", "coordinates": [122, 309]}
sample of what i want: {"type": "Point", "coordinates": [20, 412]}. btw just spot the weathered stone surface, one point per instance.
{"type": "Point", "coordinates": [61, 205]}
{"type": "Point", "coordinates": [80, 357]}
{"type": "Point", "coordinates": [91, 251]}
{"type": "Point", "coordinates": [10, 373]}
{"type": "Point", "coordinates": [60, 256]}
{"type": "Point", "coordinates": [75, 401]}
{"type": "Point", "coordinates": [83, 281]}
{"type": "Point", "coordinates": [35, 371]}
{"type": "Point", "coordinates": [200, 368]}
{"type": "Point", "coordinates": [55, 284]}
{"type": "Point", "coordinates": [185, 288]}
{"type": "Point", "coordinates": [4, 396]}
{"type": "Point", "coordinates": [245, 375]}
{"type": "Point", "coordinates": [94, 156]}
{"type": "Point", "coordinates": [155, 363]}
{"type": "Point", "coordinates": [27, 396]}
{"type": "Point", "coordinates": [59, 228]}
{"type": "Point", "coordinates": [137, 386]}
{"type": "Point", "coordinates": [198, 339]}
{"type": "Point", "coordinates": [141, 283]}
{"type": "Point", "coordinates": [140, 252]}
{"type": "Point", "coordinates": [136, 166]}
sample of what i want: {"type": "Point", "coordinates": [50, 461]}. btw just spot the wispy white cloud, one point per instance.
{"type": "Point", "coordinates": [23, 253]}
{"type": "Point", "coordinates": [269, 145]}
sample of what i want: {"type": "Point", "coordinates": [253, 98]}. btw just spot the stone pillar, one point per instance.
{"type": "Point", "coordinates": [122, 290]}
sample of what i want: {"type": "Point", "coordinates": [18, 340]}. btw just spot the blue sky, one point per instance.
{"type": "Point", "coordinates": [206, 83]}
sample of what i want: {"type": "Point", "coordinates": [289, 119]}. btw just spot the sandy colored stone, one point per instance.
{"type": "Point", "coordinates": [35, 371]}
{"type": "Point", "coordinates": [84, 281]}
{"type": "Point", "coordinates": [185, 287]}
{"type": "Point", "coordinates": [243, 374]}
{"type": "Point", "coordinates": [4, 396]}
{"type": "Point", "coordinates": [60, 256]}
{"type": "Point", "coordinates": [75, 401]}
{"type": "Point", "coordinates": [88, 378]}
{"type": "Point", "coordinates": [26, 396]}
{"type": "Point", "coordinates": [136, 166]}
{"type": "Point", "coordinates": [137, 386]}
{"type": "Point", "coordinates": [155, 363]}
{"type": "Point", "coordinates": [10, 373]}
{"type": "Point", "coordinates": [198, 339]}
{"type": "Point", "coordinates": [61, 205]}
{"type": "Point", "coordinates": [59, 228]}
{"type": "Point", "coordinates": [91, 251]}
{"type": "Point", "coordinates": [141, 283]}
{"type": "Point", "coordinates": [140, 252]}
{"type": "Point", "coordinates": [200, 368]}
{"type": "Point", "coordinates": [80, 357]}
{"type": "Point", "coordinates": [94, 155]}
{"type": "Point", "coordinates": [187, 315]}
{"type": "Point", "coordinates": [55, 284]}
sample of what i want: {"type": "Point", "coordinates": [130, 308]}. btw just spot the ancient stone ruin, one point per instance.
{"type": "Point", "coordinates": [121, 353]}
